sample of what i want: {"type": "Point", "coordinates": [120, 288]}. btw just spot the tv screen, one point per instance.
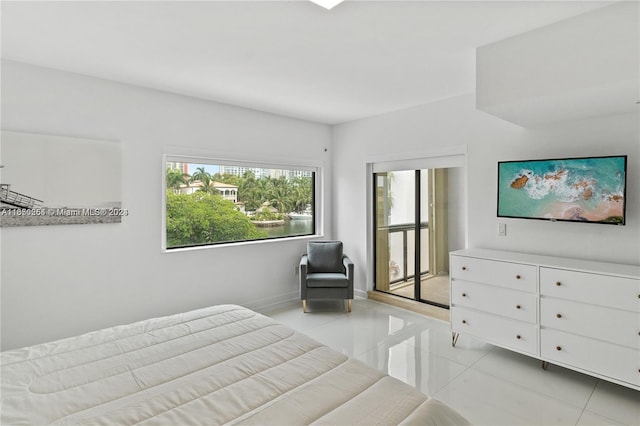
{"type": "Point", "coordinates": [590, 189]}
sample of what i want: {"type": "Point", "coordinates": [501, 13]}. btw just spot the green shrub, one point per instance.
{"type": "Point", "coordinates": [201, 218]}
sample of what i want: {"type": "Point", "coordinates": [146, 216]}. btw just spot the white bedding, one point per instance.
{"type": "Point", "coordinates": [223, 364]}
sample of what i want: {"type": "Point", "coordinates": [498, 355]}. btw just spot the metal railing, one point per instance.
{"type": "Point", "coordinates": [404, 229]}
{"type": "Point", "coordinates": [16, 199]}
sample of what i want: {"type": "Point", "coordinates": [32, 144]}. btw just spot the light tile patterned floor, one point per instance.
{"type": "Point", "coordinates": [488, 385]}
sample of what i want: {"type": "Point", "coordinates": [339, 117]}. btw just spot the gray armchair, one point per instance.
{"type": "Point", "coordinates": [325, 273]}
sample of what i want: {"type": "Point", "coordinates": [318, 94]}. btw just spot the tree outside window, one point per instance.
{"type": "Point", "coordinates": [219, 203]}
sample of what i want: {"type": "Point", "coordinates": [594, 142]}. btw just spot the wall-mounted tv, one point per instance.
{"type": "Point", "coordinates": [589, 189]}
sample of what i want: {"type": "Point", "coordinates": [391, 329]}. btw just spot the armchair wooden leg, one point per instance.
{"type": "Point", "coordinates": [304, 306]}
{"type": "Point", "coordinates": [350, 301]}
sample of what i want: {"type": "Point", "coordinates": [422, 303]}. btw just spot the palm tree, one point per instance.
{"type": "Point", "coordinates": [175, 179]}
{"type": "Point", "coordinates": [202, 176]}
{"type": "Point", "coordinates": [250, 191]}
{"type": "Point", "coordinates": [301, 193]}
{"type": "Point", "coordinates": [279, 195]}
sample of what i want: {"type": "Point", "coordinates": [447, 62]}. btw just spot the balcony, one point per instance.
{"type": "Point", "coordinates": [399, 276]}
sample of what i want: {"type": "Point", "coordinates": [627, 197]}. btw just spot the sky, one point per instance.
{"type": "Point", "coordinates": [209, 168]}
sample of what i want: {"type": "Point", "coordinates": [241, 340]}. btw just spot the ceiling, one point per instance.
{"type": "Point", "coordinates": [293, 58]}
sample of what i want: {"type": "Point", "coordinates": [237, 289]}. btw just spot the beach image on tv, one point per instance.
{"type": "Point", "coordinates": [579, 189]}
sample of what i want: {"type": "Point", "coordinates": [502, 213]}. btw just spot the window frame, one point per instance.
{"type": "Point", "coordinates": [314, 167]}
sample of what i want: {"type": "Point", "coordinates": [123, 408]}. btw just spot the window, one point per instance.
{"type": "Point", "coordinates": [210, 202]}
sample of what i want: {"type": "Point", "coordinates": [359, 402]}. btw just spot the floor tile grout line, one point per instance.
{"type": "Point", "coordinates": [535, 391]}
{"type": "Point", "coordinates": [605, 415]}
{"type": "Point", "coordinates": [587, 402]}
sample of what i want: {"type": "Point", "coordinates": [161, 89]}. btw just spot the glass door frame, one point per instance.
{"type": "Point", "coordinates": [417, 227]}
{"type": "Point", "coordinates": [450, 156]}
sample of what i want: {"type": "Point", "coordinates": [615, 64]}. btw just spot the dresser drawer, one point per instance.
{"type": "Point", "coordinates": [608, 324]}
{"type": "Point", "coordinates": [496, 300]}
{"type": "Point", "coordinates": [504, 274]}
{"type": "Point", "coordinates": [604, 290]}
{"type": "Point", "coordinates": [515, 335]}
{"type": "Point", "coordinates": [614, 361]}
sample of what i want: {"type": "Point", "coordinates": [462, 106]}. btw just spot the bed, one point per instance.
{"type": "Point", "coordinates": [219, 365]}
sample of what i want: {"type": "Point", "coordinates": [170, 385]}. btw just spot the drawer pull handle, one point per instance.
{"type": "Point", "coordinates": [518, 306]}
{"type": "Point", "coordinates": [518, 337]}
{"type": "Point", "coordinates": [518, 277]}
{"type": "Point", "coordinates": [464, 321]}
{"type": "Point", "coordinates": [464, 294]}
{"type": "Point", "coordinates": [558, 348]}
{"type": "Point", "coordinates": [558, 283]}
{"type": "Point", "coordinates": [558, 315]}
{"type": "Point", "coordinates": [464, 268]}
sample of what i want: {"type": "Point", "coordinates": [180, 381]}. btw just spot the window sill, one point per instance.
{"type": "Point", "coordinates": [243, 243]}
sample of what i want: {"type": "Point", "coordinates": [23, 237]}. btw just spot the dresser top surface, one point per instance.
{"type": "Point", "coordinates": [621, 270]}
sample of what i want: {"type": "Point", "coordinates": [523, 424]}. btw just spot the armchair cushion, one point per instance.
{"type": "Point", "coordinates": [325, 256]}
{"type": "Point", "coordinates": [327, 280]}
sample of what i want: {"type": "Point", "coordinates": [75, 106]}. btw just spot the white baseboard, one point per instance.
{"type": "Point", "coordinates": [360, 294]}
{"type": "Point", "coordinates": [274, 302]}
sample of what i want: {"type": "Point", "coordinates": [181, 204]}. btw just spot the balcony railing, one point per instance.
{"type": "Point", "coordinates": [12, 198]}
{"type": "Point", "coordinates": [400, 249]}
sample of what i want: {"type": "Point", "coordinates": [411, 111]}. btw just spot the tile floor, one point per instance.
{"type": "Point", "coordinates": [488, 385]}
{"type": "Point", "coordinates": [434, 289]}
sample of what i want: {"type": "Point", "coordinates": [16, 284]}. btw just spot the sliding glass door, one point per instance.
{"type": "Point", "coordinates": [410, 234]}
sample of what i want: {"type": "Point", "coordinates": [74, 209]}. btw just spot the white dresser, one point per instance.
{"type": "Point", "coordinates": [579, 314]}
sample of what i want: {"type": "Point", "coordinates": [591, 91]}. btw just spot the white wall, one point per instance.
{"type": "Point", "coordinates": [584, 66]}
{"type": "Point", "coordinates": [457, 208]}
{"type": "Point", "coordinates": [456, 122]}
{"type": "Point", "coordinates": [59, 281]}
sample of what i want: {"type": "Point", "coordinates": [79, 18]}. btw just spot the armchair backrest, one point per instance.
{"type": "Point", "coordinates": [325, 256]}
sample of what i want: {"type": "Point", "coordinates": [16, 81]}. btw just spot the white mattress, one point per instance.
{"type": "Point", "coordinates": [219, 365]}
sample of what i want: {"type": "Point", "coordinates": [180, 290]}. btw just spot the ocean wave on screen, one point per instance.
{"type": "Point", "coordinates": [563, 184]}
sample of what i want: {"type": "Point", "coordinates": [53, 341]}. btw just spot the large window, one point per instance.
{"type": "Point", "coordinates": [211, 202]}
